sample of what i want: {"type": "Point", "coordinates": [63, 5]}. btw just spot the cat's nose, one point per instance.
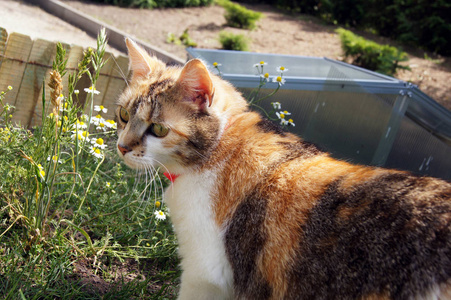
{"type": "Point", "coordinates": [123, 149]}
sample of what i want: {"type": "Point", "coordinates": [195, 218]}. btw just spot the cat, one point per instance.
{"type": "Point", "coordinates": [261, 214]}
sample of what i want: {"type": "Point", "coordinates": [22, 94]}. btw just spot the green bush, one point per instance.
{"type": "Point", "coordinates": [425, 24]}
{"type": "Point", "coordinates": [367, 54]}
{"type": "Point", "coordinates": [238, 16]}
{"type": "Point", "coordinates": [157, 3]}
{"type": "Point", "coordinates": [231, 41]}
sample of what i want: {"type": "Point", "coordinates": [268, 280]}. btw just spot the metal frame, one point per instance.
{"type": "Point", "coordinates": [410, 101]}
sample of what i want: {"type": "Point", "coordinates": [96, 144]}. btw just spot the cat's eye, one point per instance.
{"type": "Point", "coordinates": [158, 130]}
{"type": "Point", "coordinates": [123, 114]}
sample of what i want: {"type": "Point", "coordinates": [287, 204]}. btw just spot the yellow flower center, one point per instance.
{"type": "Point", "coordinates": [54, 158]}
{"type": "Point", "coordinates": [262, 62]}
{"type": "Point", "coordinates": [285, 112]}
{"type": "Point", "coordinates": [161, 213]}
{"type": "Point", "coordinates": [290, 120]}
{"type": "Point", "coordinates": [10, 87]}
{"type": "Point", "coordinates": [101, 125]}
{"type": "Point", "coordinates": [282, 116]}
{"type": "Point", "coordinates": [101, 107]}
{"type": "Point", "coordinates": [282, 68]}
{"type": "Point", "coordinates": [266, 75]}
{"type": "Point", "coordinates": [99, 141]}
{"type": "Point", "coordinates": [98, 116]}
{"type": "Point", "coordinates": [65, 118]}
{"type": "Point", "coordinates": [279, 79]}
{"type": "Point", "coordinates": [215, 64]}
{"type": "Point", "coordinates": [97, 150]}
{"type": "Point", "coordinates": [157, 204]}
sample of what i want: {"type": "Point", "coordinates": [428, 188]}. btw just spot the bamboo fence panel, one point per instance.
{"type": "Point", "coordinates": [25, 65]}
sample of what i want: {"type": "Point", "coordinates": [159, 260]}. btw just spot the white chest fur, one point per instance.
{"type": "Point", "coordinates": [206, 271]}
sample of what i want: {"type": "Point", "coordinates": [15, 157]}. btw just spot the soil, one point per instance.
{"type": "Point", "coordinates": [277, 32]}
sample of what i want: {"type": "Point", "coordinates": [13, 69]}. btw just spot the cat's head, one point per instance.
{"type": "Point", "coordinates": [168, 116]}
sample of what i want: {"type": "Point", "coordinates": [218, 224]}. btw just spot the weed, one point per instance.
{"type": "Point", "coordinates": [65, 197]}
{"type": "Point", "coordinates": [231, 41]}
{"type": "Point", "coordinates": [238, 16]}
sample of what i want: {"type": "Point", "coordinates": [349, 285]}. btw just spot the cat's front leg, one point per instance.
{"type": "Point", "coordinates": [193, 287]}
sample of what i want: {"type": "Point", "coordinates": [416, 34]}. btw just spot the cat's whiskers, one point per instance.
{"type": "Point", "coordinates": [119, 70]}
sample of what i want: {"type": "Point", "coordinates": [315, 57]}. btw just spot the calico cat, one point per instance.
{"type": "Point", "coordinates": [261, 214]}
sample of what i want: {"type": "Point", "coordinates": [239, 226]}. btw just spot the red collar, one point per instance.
{"type": "Point", "coordinates": [170, 176]}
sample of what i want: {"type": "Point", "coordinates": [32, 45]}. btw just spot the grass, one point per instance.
{"type": "Point", "coordinates": [75, 223]}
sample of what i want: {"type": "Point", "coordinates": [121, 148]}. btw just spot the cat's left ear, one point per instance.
{"type": "Point", "coordinates": [139, 59]}
{"type": "Point", "coordinates": [197, 83]}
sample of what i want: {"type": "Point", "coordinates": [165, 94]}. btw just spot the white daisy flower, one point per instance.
{"type": "Point", "coordinates": [283, 122]}
{"type": "Point", "coordinates": [41, 171]}
{"type": "Point", "coordinates": [98, 143]}
{"type": "Point", "coordinates": [265, 77]}
{"type": "Point", "coordinates": [92, 90]}
{"type": "Point", "coordinates": [160, 215]}
{"type": "Point", "coordinates": [286, 113]}
{"type": "Point", "coordinates": [63, 107]}
{"type": "Point", "coordinates": [101, 126]}
{"type": "Point", "coordinates": [281, 69]}
{"type": "Point", "coordinates": [215, 64]}
{"type": "Point", "coordinates": [81, 124]}
{"type": "Point", "coordinates": [276, 105]}
{"type": "Point", "coordinates": [111, 124]}
{"type": "Point", "coordinates": [100, 108]}
{"type": "Point", "coordinates": [290, 122]}
{"type": "Point", "coordinates": [281, 115]}
{"type": "Point", "coordinates": [96, 152]}
{"type": "Point", "coordinates": [76, 92]}
{"type": "Point", "coordinates": [279, 80]}
{"type": "Point", "coordinates": [97, 120]}
{"type": "Point", "coordinates": [82, 135]}
{"type": "Point", "coordinates": [55, 159]}
{"type": "Point", "coordinates": [260, 64]}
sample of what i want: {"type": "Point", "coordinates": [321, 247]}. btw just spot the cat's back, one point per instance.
{"type": "Point", "coordinates": [299, 224]}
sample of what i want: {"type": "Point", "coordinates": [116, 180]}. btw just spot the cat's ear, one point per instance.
{"type": "Point", "coordinates": [139, 59]}
{"type": "Point", "coordinates": [197, 83]}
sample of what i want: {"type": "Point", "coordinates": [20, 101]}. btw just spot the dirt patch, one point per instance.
{"type": "Point", "coordinates": [101, 278]}
{"type": "Point", "coordinates": [277, 33]}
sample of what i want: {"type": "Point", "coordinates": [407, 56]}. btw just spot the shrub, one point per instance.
{"type": "Point", "coordinates": [426, 24]}
{"type": "Point", "coordinates": [231, 41]}
{"type": "Point", "coordinates": [371, 55]}
{"type": "Point", "coordinates": [157, 3]}
{"type": "Point", "coordinates": [238, 16]}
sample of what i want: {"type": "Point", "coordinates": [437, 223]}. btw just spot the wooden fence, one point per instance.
{"type": "Point", "coordinates": [25, 64]}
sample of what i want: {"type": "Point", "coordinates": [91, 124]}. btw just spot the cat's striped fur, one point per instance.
{"type": "Point", "coordinates": [261, 214]}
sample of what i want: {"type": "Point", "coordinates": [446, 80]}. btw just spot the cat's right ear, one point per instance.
{"type": "Point", "coordinates": [139, 60]}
